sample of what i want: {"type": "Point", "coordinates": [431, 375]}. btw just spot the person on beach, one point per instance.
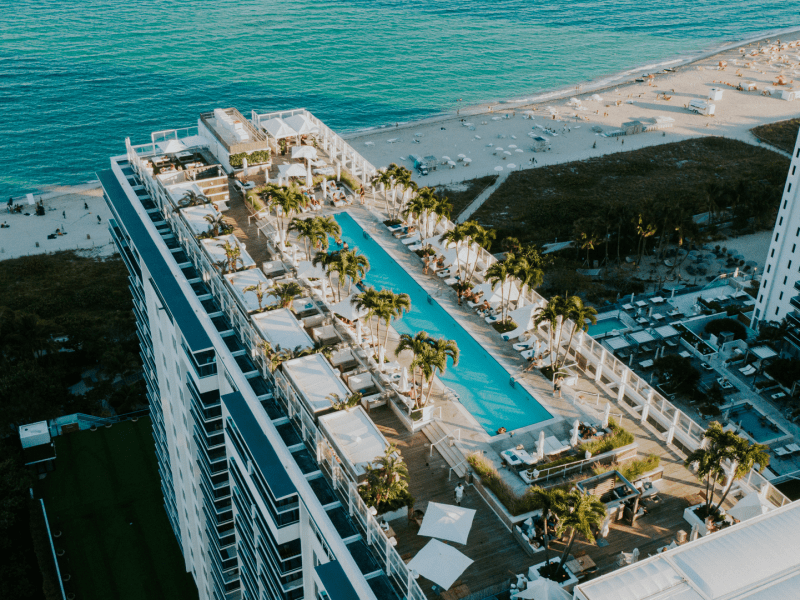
{"type": "Point", "coordinates": [99, 220]}
{"type": "Point", "coordinates": [557, 387]}
{"type": "Point", "coordinates": [64, 214]}
{"type": "Point", "coordinates": [85, 206]}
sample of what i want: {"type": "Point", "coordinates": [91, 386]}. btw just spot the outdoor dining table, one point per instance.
{"type": "Point", "coordinates": [627, 307]}
{"type": "Point", "coordinates": [580, 564]}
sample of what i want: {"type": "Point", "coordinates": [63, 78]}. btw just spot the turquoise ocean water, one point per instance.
{"type": "Point", "coordinates": [76, 78]}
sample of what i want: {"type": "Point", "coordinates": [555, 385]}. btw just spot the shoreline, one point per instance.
{"type": "Point", "coordinates": [618, 78]}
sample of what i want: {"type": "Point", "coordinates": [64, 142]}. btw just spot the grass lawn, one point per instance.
{"type": "Point", "coordinates": [105, 496]}
{"type": "Point", "coordinates": [781, 134]}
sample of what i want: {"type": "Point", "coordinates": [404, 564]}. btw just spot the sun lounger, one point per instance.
{"type": "Point", "coordinates": [412, 239]}
{"type": "Point", "coordinates": [793, 448]}
{"type": "Point", "coordinates": [781, 451]}
{"type": "Point", "coordinates": [396, 228]}
{"type": "Point", "coordinates": [520, 346]}
{"type": "Point", "coordinates": [748, 370]}
{"type": "Point", "coordinates": [510, 335]}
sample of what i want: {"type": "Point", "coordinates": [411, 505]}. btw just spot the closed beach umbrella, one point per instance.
{"type": "Point", "coordinates": [358, 332]}
{"type": "Point", "coordinates": [309, 176]}
{"type": "Point", "coordinates": [381, 353]}
{"type": "Point", "coordinates": [404, 380]}
{"type": "Point", "coordinates": [574, 440]}
{"type": "Point", "coordinates": [606, 415]}
{"type": "Point", "coordinates": [540, 445]}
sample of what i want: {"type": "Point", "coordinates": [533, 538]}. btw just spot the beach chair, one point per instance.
{"type": "Point", "coordinates": [520, 346]}
{"type": "Point", "coordinates": [411, 239]}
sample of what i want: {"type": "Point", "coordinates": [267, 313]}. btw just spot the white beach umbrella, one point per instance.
{"type": "Point", "coordinates": [307, 270]}
{"type": "Point", "coordinates": [172, 147]}
{"type": "Point", "coordinates": [606, 415]}
{"type": "Point", "coordinates": [467, 160]}
{"type": "Point", "coordinates": [293, 170]}
{"type": "Point", "coordinates": [347, 310]}
{"type": "Point", "coordinates": [540, 445]}
{"type": "Point", "coordinates": [452, 163]}
{"type": "Point", "coordinates": [447, 522]}
{"type": "Point", "coordinates": [574, 439]}
{"type": "Point", "coordinates": [507, 152]}
{"type": "Point", "coordinates": [302, 152]}
{"type": "Point", "coordinates": [498, 169]}
{"type": "Point", "coordinates": [477, 137]}
{"type": "Point", "coordinates": [512, 145]}
{"type": "Point", "coordinates": [462, 156]}
{"type": "Point", "coordinates": [542, 589]}
{"type": "Point", "coordinates": [498, 149]}
{"type": "Point", "coordinates": [445, 158]}
{"type": "Point", "coordinates": [512, 166]}
{"type": "Point", "coordinates": [404, 380]}
{"type": "Point", "coordinates": [520, 150]}
{"type": "Point", "coordinates": [301, 124]}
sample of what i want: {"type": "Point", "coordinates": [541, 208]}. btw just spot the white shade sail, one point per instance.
{"type": "Point", "coordinates": [447, 522]}
{"type": "Point", "coordinates": [304, 152]}
{"type": "Point", "coordinates": [305, 270]}
{"type": "Point", "coordinates": [346, 310]}
{"type": "Point", "coordinates": [278, 129]}
{"type": "Point", "coordinates": [440, 563]}
{"type": "Point", "coordinates": [301, 124]}
{"type": "Point", "coordinates": [172, 147]}
{"type": "Point", "coordinates": [750, 506]}
{"type": "Point", "coordinates": [295, 170]}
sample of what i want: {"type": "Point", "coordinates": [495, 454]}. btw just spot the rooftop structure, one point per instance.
{"type": "Point", "coordinates": [315, 379]}
{"type": "Point", "coordinates": [281, 329]}
{"type": "Point", "coordinates": [355, 438]}
{"type": "Point", "coordinates": [36, 443]}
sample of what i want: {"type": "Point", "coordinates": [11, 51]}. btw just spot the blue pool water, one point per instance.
{"type": "Point", "coordinates": [480, 381]}
{"type": "Point", "coordinates": [750, 420]}
{"type": "Point", "coordinates": [605, 326]}
{"type": "Point", "coordinates": [76, 78]}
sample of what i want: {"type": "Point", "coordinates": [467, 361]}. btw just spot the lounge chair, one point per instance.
{"type": "Point", "coordinates": [396, 228]}
{"type": "Point", "coordinates": [510, 335]}
{"type": "Point", "coordinates": [520, 346]}
{"type": "Point", "coordinates": [781, 451]}
{"type": "Point", "coordinates": [411, 239]}
{"type": "Point", "coordinates": [793, 448]}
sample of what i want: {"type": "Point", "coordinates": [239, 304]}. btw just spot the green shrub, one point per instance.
{"type": "Point", "coordinates": [564, 460]}
{"type": "Point", "coordinates": [636, 468]}
{"type": "Point", "coordinates": [257, 157]}
{"type": "Point", "coordinates": [619, 437]}
{"type": "Point", "coordinates": [492, 480]}
{"type": "Point", "coordinates": [255, 201]}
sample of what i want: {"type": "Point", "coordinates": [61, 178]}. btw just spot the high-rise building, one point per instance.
{"type": "Point", "coordinates": [779, 295]}
{"type": "Point", "coordinates": [262, 499]}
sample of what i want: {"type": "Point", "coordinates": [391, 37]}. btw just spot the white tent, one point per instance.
{"type": "Point", "coordinates": [301, 124]}
{"type": "Point", "coordinates": [346, 310]}
{"type": "Point", "coordinates": [278, 129]}
{"type": "Point", "coordinates": [440, 563]}
{"type": "Point", "coordinates": [543, 589]}
{"type": "Point", "coordinates": [447, 522]}
{"type": "Point", "coordinates": [305, 270]}
{"type": "Point", "coordinates": [294, 170]}
{"type": "Point", "coordinates": [304, 152]}
{"type": "Point", "coordinates": [172, 147]}
{"type": "Point", "coordinates": [750, 506]}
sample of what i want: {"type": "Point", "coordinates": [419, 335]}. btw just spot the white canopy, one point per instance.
{"type": "Point", "coordinates": [301, 124]}
{"type": "Point", "coordinates": [440, 563]}
{"type": "Point", "coordinates": [543, 589]}
{"type": "Point", "coordinates": [295, 170]}
{"type": "Point", "coordinates": [278, 129]}
{"type": "Point", "coordinates": [304, 152]}
{"type": "Point", "coordinates": [447, 522]}
{"type": "Point", "coordinates": [305, 270]}
{"type": "Point", "coordinates": [522, 316]}
{"type": "Point", "coordinates": [172, 147]}
{"type": "Point", "coordinates": [346, 310]}
{"type": "Point", "coordinates": [750, 506]}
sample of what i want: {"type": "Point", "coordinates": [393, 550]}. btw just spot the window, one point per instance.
{"type": "Point", "coordinates": [771, 254]}
{"type": "Point", "coordinates": [789, 266]}
{"type": "Point", "coordinates": [780, 297]}
{"type": "Point", "coordinates": [761, 299]}
{"type": "Point", "coordinates": [785, 202]}
{"type": "Point", "coordinates": [768, 268]}
{"type": "Point", "coordinates": [794, 246]}
{"type": "Point", "coordinates": [776, 236]}
{"type": "Point", "coordinates": [780, 222]}
{"type": "Point", "coordinates": [776, 310]}
{"type": "Point", "coordinates": [789, 188]}
{"type": "Point", "coordinates": [794, 169]}
{"type": "Point", "coordinates": [784, 279]}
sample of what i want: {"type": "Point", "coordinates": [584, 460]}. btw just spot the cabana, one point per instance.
{"type": "Point", "coordinates": [616, 492]}
{"type": "Point", "coordinates": [281, 329]}
{"type": "Point", "coordinates": [641, 338]}
{"type": "Point", "coordinates": [315, 380]}
{"type": "Point", "coordinates": [195, 217]}
{"type": "Point", "coordinates": [615, 344]}
{"type": "Point", "coordinates": [214, 247]}
{"type": "Point", "coordinates": [278, 129]}
{"type": "Point", "coordinates": [304, 152]}
{"type": "Point", "coordinates": [293, 170]}
{"type": "Point", "coordinates": [356, 440]}
{"type": "Point", "coordinates": [301, 124]}
{"type": "Point", "coordinates": [244, 279]}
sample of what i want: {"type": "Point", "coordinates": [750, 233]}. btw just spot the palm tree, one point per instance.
{"type": "Point", "coordinates": [390, 478]}
{"type": "Point", "coordinates": [217, 225]}
{"type": "Point", "coordinates": [392, 306]}
{"type": "Point", "coordinates": [289, 200]}
{"type": "Point", "coordinates": [745, 457]}
{"type": "Point", "coordinates": [643, 230]}
{"type": "Point", "coordinates": [384, 178]}
{"type": "Point", "coordinates": [579, 313]}
{"type": "Point", "coordinates": [273, 356]}
{"type": "Point", "coordinates": [528, 273]}
{"type": "Point", "coordinates": [501, 273]}
{"type": "Point", "coordinates": [370, 300]}
{"type": "Point", "coordinates": [436, 359]}
{"type": "Point", "coordinates": [260, 290]}
{"type": "Point", "coordinates": [233, 255]}
{"type": "Point", "coordinates": [418, 345]}
{"type": "Point", "coordinates": [718, 445]}
{"type": "Point", "coordinates": [327, 227]}
{"type": "Point", "coordinates": [355, 265]}
{"type": "Point", "coordinates": [340, 403]}
{"type": "Point", "coordinates": [286, 292]}
{"type": "Point", "coordinates": [549, 314]}
{"type": "Point", "coordinates": [583, 512]}
{"type": "Point", "coordinates": [587, 240]}
{"type": "Point", "coordinates": [482, 237]}
{"type": "Point", "coordinates": [551, 502]}
{"type": "Point", "coordinates": [324, 260]}
{"type": "Point", "coordinates": [402, 179]}
{"type": "Point", "coordinates": [306, 230]}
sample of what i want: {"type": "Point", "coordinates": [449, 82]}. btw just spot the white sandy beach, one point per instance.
{"type": "Point", "coordinates": [83, 231]}
{"type": "Point", "coordinates": [663, 96]}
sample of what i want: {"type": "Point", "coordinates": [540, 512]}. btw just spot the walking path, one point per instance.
{"type": "Point", "coordinates": [482, 197]}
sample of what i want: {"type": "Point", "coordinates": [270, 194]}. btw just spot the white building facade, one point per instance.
{"type": "Point", "coordinates": [253, 490]}
{"type": "Point", "coordinates": [779, 294]}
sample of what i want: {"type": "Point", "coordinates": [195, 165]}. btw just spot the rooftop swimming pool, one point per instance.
{"type": "Point", "coordinates": [755, 424]}
{"type": "Point", "coordinates": [605, 326]}
{"type": "Point", "coordinates": [482, 384]}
